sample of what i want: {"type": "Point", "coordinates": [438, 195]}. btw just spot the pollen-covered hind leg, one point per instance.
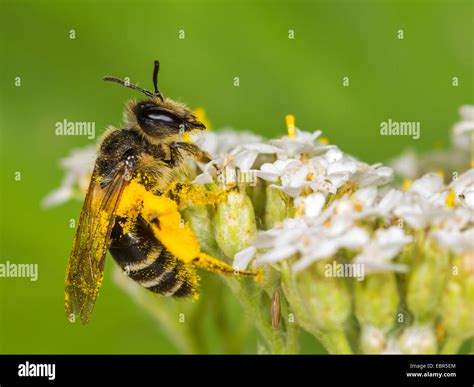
{"type": "Point", "coordinates": [196, 194]}
{"type": "Point", "coordinates": [209, 263]}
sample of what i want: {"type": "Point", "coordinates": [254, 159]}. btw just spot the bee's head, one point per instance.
{"type": "Point", "coordinates": [162, 118]}
{"type": "Point", "coordinates": [158, 118]}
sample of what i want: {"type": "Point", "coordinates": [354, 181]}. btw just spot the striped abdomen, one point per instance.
{"type": "Point", "coordinates": [145, 260]}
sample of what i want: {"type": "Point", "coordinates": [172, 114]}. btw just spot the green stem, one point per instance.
{"type": "Point", "coordinates": [261, 320]}
{"type": "Point", "coordinates": [336, 342]}
{"type": "Point", "coordinates": [252, 309]}
{"type": "Point", "coordinates": [451, 345]}
{"type": "Point", "coordinates": [292, 329]}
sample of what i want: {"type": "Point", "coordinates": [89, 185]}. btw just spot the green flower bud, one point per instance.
{"type": "Point", "coordinates": [199, 219]}
{"type": "Point", "coordinates": [426, 284]}
{"type": "Point", "coordinates": [458, 300]}
{"type": "Point", "coordinates": [234, 223]}
{"type": "Point", "coordinates": [271, 279]}
{"type": "Point", "coordinates": [376, 300]}
{"type": "Point", "coordinates": [277, 207]}
{"type": "Point", "coordinates": [256, 193]}
{"type": "Point", "coordinates": [327, 300]}
{"type": "Point", "coordinates": [418, 339]}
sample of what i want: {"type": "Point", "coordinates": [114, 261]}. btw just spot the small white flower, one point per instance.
{"type": "Point", "coordinates": [373, 175]}
{"type": "Point", "coordinates": [291, 173]}
{"type": "Point", "coordinates": [240, 158]}
{"type": "Point", "coordinates": [312, 204]}
{"type": "Point", "coordinates": [331, 171]}
{"type": "Point", "coordinates": [455, 240]}
{"type": "Point", "coordinates": [78, 168]}
{"type": "Point", "coordinates": [459, 219]}
{"type": "Point", "coordinates": [463, 131]}
{"type": "Point", "coordinates": [419, 212]}
{"type": "Point", "coordinates": [207, 176]}
{"type": "Point", "coordinates": [389, 201]}
{"type": "Point", "coordinates": [325, 246]}
{"type": "Point", "coordinates": [407, 164]}
{"type": "Point", "coordinates": [203, 178]}
{"type": "Point", "coordinates": [302, 142]}
{"type": "Point", "coordinates": [427, 185]}
{"type": "Point", "coordinates": [376, 202]}
{"type": "Point", "coordinates": [222, 142]}
{"type": "Point", "coordinates": [386, 245]}
{"type": "Point", "coordinates": [325, 185]}
{"type": "Point", "coordinates": [344, 167]}
{"type": "Point", "coordinates": [244, 156]}
{"type": "Point", "coordinates": [278, 254]}
{"type": "Point", "coordinates": [273, 171]}
{"type": "Point", "coordinates": [341, 171]}
{"type": "Point", "coordinates": [333, 155]}
{"type": "Point", "coordinates": [463, 187]}
{"type": "Point", "coordinates": [243, 258]}
{"type": "Point", "coordinates": [424, 203]}
{"type": "Point", "coordinates": [366, 196]}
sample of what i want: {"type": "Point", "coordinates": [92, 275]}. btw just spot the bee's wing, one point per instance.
{"type": "Point", "coordinates": [91, 241]}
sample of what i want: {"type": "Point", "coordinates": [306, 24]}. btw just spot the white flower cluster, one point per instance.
{"type": "Point", "coordinates": [300, 162]}
{"type": "Point", "coordinates": [312, 174]}
{"type": "Point", "coordinates": [448, 211]}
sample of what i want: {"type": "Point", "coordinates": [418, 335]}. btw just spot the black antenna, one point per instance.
{"type": "Point", "coordinates": [129, 85]}
{"type": "Point", "coordinates": [155, 78]}
{"type": "Point", "coordinates": [141, 90]}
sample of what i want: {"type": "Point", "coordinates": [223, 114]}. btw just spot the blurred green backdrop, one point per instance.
{"type": "Point", "coordinates": [406, 80]}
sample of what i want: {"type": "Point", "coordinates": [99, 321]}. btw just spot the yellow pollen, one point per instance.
{"type": "Point", "coordinates": [260, 276]}
{"type": "Point", "coordinates": [358, 206]}
{"type": "Point", "coordinates": [324, 140]}
{"type": "Point", "coordinates": [290, 125]}
{"type": "Point", "coordinates": [450, 200]}
{"type": "Point", "coordinates": [187, 137]}
{"type": "Point", "coordinates": [406, 184]}
{"type": "Point", "coordinates": [300, 210]}
{"type": "Point", "coordinates": [440, 172]}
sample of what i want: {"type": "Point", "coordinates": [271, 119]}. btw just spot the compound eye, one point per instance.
{"type": "Point", "coordinates": [162, 117]}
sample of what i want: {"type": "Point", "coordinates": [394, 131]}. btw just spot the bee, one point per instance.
{"type": "Point", "coordinates": [131, 206]}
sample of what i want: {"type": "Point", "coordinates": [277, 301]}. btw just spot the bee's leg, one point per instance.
{"type": "Point", "coordinates": [199, 154]}
{"type": "Point", "coordinates": [176, 158]}
{"type": "Point", "coordinates": [183, 193]}
{"type": "Point", "coordinates": [209, 263]}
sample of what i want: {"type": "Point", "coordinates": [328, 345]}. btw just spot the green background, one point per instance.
{"type": "Point", "coordinates": [406, 80]}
